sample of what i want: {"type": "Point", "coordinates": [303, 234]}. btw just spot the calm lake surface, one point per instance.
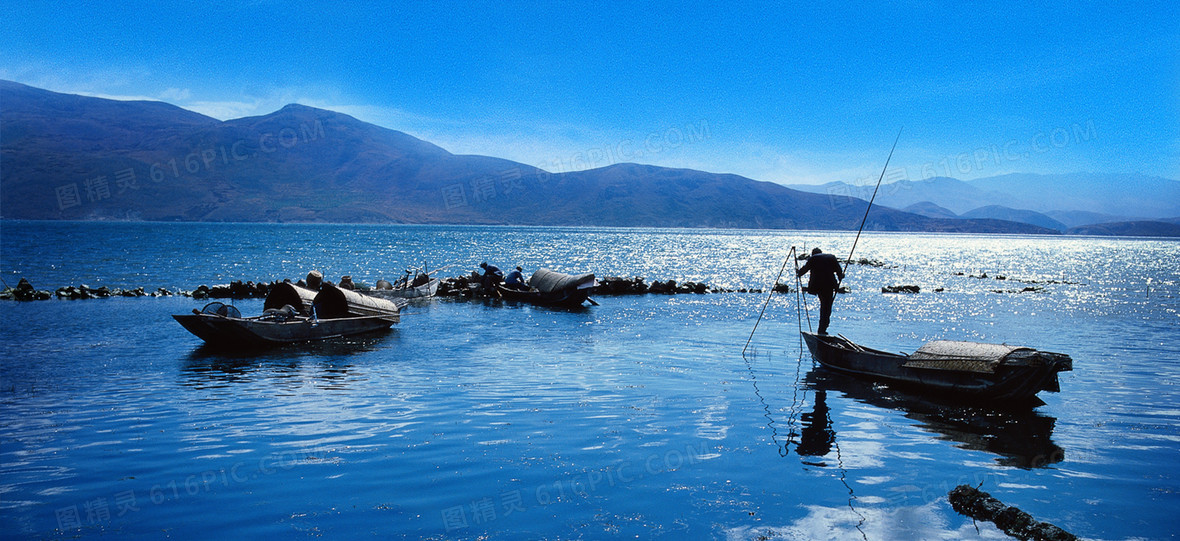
{"type": "Point", "coordinates": [639, 417]}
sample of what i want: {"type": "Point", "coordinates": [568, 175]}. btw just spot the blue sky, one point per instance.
{"type": "Point", "coordinates": [773, 91]}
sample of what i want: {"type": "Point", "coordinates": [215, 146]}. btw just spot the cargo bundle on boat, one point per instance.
{"type": "Point", "coordinates": [551, 288]}
{"type": "Point", "coordinates": [293, 314]}
{"type": "Point", "coordinates": [969, 370]}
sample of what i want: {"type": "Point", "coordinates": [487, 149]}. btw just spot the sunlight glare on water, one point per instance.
{"type": "Point", "coordinates": [638, 417]}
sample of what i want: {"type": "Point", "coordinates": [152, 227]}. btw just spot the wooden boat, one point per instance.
{"type": "Point", "coordinates": [406, 289]}
{"type": "Point", "coordinates": [293, 314]}
{"type": "Point", "coordinates": [964, 370]}
{"type": "Point", "coordinates": [551, 288]}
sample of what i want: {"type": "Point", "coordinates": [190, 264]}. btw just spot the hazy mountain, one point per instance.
{"type": "Point", "coordinates": [73, 157]}
{"type": "Point", "coordinates": [1108, 195]}
{"type": "Point", "coordinates": [930, 210]}
{"type": "Point", "coordinates": [1015, 215]}
{"type": "Point", "coordinates": [952, 194]}
{"type": "Point", "coordinates": [1074, 218]}
{"type": "Point", "coordinates": [1119, 194]}
{"type": "Point", "coordinates": [1130, 229]}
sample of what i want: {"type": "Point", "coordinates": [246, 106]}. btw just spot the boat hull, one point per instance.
{"type": "Point", "coordinates": [570, 298]}
{"type": "Point", "coordinates": [293, 314]}
{"type": "Point", "coordinates": [1006, 383]}
{"type": "Point", "coordinates": [428, 289]}
{"type": "Point", "coordinates": [551, 288]}
{"type": "Point", "coordinates": [218, 330]}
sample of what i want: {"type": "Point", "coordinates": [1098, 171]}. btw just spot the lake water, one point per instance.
{"type": "Point", "coordinates": [639, 417]}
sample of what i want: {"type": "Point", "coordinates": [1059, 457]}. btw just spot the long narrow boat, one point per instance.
{"type": "Point", "coordinates": [292, 314]}
{"type": "Point", "coordinates": [969, 370]}
{"type": "Point", "coordinates": [551, 288]}
{"type": "Point", "coordinates": [404, 290]}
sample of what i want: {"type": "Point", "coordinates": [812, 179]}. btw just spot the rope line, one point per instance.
{"type": "Point", "coordinates": [768, 296]}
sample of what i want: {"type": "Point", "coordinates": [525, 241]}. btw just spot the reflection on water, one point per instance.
{"type": "Point", "coordinates": [327, 361]}
{"type": "Point", "coordinates": [1021, 437]}
{"type": "Point", "coordinates": [816, 437]}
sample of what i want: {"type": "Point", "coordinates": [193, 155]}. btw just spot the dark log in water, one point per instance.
{"type": "Point", "coordinates": [980, 505]}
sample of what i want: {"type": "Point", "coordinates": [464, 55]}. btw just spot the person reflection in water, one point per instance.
{"type": "Point", "coordinates": [817, 435]}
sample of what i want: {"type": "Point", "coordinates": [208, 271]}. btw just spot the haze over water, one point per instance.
{"type": "Point", "coordinates": [637, 417]}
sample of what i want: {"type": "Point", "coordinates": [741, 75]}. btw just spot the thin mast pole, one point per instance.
{"type": "Point", "coordinates": [874, 197]}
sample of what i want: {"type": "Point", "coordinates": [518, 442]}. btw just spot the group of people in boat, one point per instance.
{"type": "Point", "coordinates": [492, 275]}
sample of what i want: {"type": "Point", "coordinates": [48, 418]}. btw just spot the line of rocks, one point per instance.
{"type": "Point", "coordinates": [1001, 277]}
{"type": "Point", "coordinates": [468, 287]}
{"type": "Point", "coordinates": [454, 287]}
{"type": "Point", "coordinates": [24, 291]}
{"type": "Point", "coordinates": [461, 286]}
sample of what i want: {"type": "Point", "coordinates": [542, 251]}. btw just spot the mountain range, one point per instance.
{"type": "Point", "coordinates": [66, 156]}
{"type": "Point", "coordinates": [1063, 202]}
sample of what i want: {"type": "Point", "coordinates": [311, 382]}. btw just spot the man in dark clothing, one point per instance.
{"type": "Point", "coordinates": [491, 276]}
{"type": "Point", "coordinates": [515, 280]}
{"type": "Point", "coordinates": [826, 275]}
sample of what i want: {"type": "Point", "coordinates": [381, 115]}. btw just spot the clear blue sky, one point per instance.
{"type": "Point", "coordinates": [779, 92]}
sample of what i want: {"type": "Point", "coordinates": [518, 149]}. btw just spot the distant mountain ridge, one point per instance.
{"type": "Point", "coordinates": [1016, 215]}
{"type": "Point", "coordinates": [1074, 197]}
{"type": "Point", "coordinates": [74, 157]}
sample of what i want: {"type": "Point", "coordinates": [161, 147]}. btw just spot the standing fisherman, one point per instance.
{"type": "Point", "coordinates": [826, 275]}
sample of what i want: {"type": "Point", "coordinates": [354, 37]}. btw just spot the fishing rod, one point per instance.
{"type": "Point", "coordinates": [874, 197]}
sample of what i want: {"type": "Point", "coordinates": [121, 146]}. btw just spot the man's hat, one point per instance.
{"type": "Point", "coordinates": [816, 250]}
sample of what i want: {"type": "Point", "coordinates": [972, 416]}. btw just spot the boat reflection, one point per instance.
{"type": "Point", "coordinates": [326, 361]}
{"type": "Point", "coordinates": [1021, 437]}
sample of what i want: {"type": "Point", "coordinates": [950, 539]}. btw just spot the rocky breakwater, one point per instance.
{"type": "Point", "coordinates": [24, 291]}
{"type": "Point", "coordinates": [468, 287]}
{"type": "Point", "coordinates": [235, 290]}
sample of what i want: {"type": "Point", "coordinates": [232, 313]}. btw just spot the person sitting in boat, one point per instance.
{"type": "Point", "coordinates": [491, 276]}
{"type": "Point", "coordinates": [826, 275]}
{"type": "Point", "coordinates": [346, 283]}
{"type": "Point", "coordinates": [420, 279]}
{"type": "Point", "coordinates": [315, 279]}
{"type": "Point", "coordinates": [515, 280]}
